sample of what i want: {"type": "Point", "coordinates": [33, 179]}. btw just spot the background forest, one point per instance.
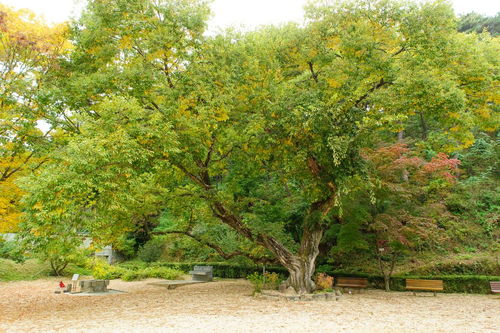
{"type": "Point", "coordinates": [363, 141]}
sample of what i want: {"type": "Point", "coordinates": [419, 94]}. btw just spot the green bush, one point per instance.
{"type": "Point", "coordinates": [132, 271]}
{"type": "Point", "coordinates": [264, 281]}
{"type": "Point", "coordinates": [452, 283]}
{"type": "Point", "coordinates": [152, 272]}
{"type": "Point", "coordinates": [134, 265]}
{"type": "Point", "coordinates": [257, 280]}
{"type": "Point", "coordinates": [11, 250]}
{"type": "Point", "coordinates": [30, 269]}
{"type": "Point", "coordinates": [473, 284]}
{"type": "Point", "coordinates": [152, 250]}
{"type": "Point", "coordinates": [477, 267]}
{"type": "Point", "coordinates": [103, 271]}
{"type": "Point", "coordinates": [223, 269]}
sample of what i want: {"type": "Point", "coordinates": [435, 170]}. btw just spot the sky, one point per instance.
{"type": "Point", "coordinates": [239, 13]}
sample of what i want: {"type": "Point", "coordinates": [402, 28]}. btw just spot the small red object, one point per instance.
{"type": "Point", "coordinates": [61, 284]}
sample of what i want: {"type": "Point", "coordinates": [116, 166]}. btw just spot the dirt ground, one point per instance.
{"type": "Point", "coordinates": [227, 306]}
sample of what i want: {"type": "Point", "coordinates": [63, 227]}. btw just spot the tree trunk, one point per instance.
{"type": "Point", "coordinates": [387, 280]}
{"type": "Point", "coordinates": [400, 140]}
{"type": "Point", "coordinates": [302, 266]}
{"type": "Point", "coordinates": [387, 273]}
{"type": "Point", "coordinates": [301, 273]}
{"type": "Point", "coordinates": [423, 124]}
{"type": "Point", "coordinates": [57, 266]}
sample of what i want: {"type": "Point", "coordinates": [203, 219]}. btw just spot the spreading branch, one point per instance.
{"type": "Point", "coordinates": [313, 73]}
{"type": "Point", "coordinates": [217, 248]}
{"type": "Point", "coordinates": [379, 85]}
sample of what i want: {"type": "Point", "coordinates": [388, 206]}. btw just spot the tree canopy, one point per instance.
{"type": "Point", "coordinates": [265, 137]}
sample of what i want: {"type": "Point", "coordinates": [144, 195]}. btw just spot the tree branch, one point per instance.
{"type": "Point", "coordinates": [314, 74]}
{"type": "Point", "coordinates": [379, 85]}
{"type": "Point", "coordinates": [217, 248]}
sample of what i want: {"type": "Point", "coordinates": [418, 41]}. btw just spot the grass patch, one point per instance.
{"type": "Point", "coordinates": [31, 269]}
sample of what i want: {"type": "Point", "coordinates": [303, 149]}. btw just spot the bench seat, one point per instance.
{"type": "Point", "coordinates": [425, 288]}
{"type": "Point", "coordinates": [352, 282]}
{"type": "Point", "coordinates": [495, 287]}
{"type": "Point", "coordinates": [424, 285]}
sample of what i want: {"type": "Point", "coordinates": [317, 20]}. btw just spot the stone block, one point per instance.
{"type": "Point", "coordinates": [319, 297]}
{"type": "Point", "coordinates": [290, 291]}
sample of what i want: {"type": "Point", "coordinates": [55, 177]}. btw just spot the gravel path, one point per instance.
{"type": "Point", "coordinates": [227, 306]}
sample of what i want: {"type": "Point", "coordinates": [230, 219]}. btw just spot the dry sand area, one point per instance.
{"type": "Point", "coordinates": [227, 306]}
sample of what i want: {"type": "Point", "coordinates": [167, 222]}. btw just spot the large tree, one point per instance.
{"type": "Point", "coordinates": [29, 49]}
{"type": "Point", "coordinates": [262, 131]}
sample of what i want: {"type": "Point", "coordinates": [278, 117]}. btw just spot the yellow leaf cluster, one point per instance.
{"type": "Point", "coordinates": [221, 115]}
{"type": "Point", "coordinates": [10, 213]}
{"type": "Point", "coordinates": [23, 28]}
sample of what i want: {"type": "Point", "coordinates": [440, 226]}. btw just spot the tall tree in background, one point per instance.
{"type": "Point", "coordinates": [474, 22]}
{"type": "Point", "coordinates": [29, 49]}
{"type": "Point", "coordinates": [260, 132]}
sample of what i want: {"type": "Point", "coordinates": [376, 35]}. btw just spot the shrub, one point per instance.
{"type": "Point", "coordinates": [103, 271]}
{"type": "Point", "coordinates": [11, 250]}
{"type": "Point", "coordinates": [478, 267]}
{"type": "Point", "coordinates": [133, 265]}
{"type": "Point", "coordinates": [324, 281]}
{"type": "Point", "coordinates": [268, 280]}
{"type": "Point", "coordinates": [474, 284]}
{"type": "Point", "coordinates": [152, 250]}
{"type": "Point", "coordinates": [28, 270]}
{"type": "Point", "coordinates": [223, 269]}
{"type": "Point", "coordinates": [152, 272]}
{"type": "Point", "coordinates": [272, 280]}
{"type": "Point", "coordinates": [257, 280]}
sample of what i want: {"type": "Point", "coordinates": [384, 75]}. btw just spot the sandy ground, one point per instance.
{"type": "Point", "coordinates": [227, 306]}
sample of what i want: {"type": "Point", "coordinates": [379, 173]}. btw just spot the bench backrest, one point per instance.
{"type": "Point", "coordinates": [424, 284]}
{"type": "Point", "coordinates": [352, 282]}
{"type": "Point", "coordinates": [495, 285]}
{"type": "Point", "coordinates": [207, 269]}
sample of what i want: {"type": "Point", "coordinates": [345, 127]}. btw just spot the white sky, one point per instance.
{"type": "Point", "coordinates": [249, 13]}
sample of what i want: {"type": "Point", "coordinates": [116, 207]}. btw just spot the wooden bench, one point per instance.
{"type": "Point", "coordinates": [202, 273]}
{"type": "Point", "coordinates": [495, 287]}
{"type": "Point", "coordinates": [352, 282]}
{"type": "Point", "coordinates": [424, 285]}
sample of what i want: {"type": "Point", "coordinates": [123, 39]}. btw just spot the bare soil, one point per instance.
{"type": "Point", "coordinates": [228, 306]}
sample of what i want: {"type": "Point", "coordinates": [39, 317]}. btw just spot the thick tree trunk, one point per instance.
{"type": "Point", "coordinates": [302, 266]}
{"type": "Point", "coordinates": [301, 272]}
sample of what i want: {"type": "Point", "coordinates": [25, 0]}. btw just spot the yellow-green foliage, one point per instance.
{"type": "Point", "coordinates": [29, 270]}
{"type": "Point", "coordinates": [324, 281]}
{"type": "Point", "coordinates": [152, 272]}
{"type": "Point", "coordinates": [102, 270]}
{"type": "Point", "coordinates": [264, 281]}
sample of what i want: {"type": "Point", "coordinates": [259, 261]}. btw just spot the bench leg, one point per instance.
{"type": "Point", "coordinates": [414, 294]}
{"type": "Point", "coordinates": [434, 294]}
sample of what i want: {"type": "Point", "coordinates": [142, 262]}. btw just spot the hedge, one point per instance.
{"type": "Point", "coordinates": [475, 284]}
{"type": "Point", "coordinates": [224, 270]}
{"type": "Point", "coordinates": [472, 284]}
